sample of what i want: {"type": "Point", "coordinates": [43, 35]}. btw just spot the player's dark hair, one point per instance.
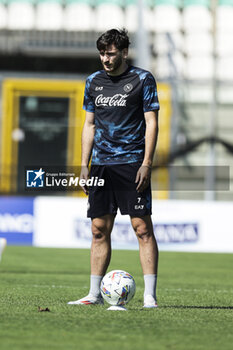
{"type": "Point", "coordinates": [119, 38]}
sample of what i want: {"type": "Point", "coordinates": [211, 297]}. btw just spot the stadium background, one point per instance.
{"type": "Point", "coordinates": [47, 49]}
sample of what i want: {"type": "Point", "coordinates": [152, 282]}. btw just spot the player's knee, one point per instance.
{"type": "Point", "coordinates": [99, 231]}
{"type": "Point", "coordinates": [143, 233]}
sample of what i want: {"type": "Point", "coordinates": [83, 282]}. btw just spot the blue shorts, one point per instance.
{"type": "Point", "coordinates": [119, 191]}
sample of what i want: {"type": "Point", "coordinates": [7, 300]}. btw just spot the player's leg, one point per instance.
{"type": "Point", "coordinates": [148, 250]}
{"type": "Point", "coordinates": [102, 210]}
{"type": "Point", "coordinates": [100, 258]}
{"type": "Point", "coordinates": [101, 244]}
{"type": "Point", "coordinates": [138, 206]}
{"type": "Point", "coordinates": [2, 246]}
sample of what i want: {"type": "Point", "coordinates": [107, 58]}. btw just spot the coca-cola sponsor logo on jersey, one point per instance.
{"type": "Point", "coordinates": [118, 100]}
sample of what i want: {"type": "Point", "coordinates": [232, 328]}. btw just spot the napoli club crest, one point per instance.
{"type": "Point", "coordinates": [128, 87]}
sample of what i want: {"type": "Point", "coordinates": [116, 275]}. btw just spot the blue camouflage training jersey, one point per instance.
{"type": "Point", "coordinates": [119, 103]}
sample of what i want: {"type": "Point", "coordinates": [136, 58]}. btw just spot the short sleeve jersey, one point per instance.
{"type": "Point", "coordinates": [119, 104]}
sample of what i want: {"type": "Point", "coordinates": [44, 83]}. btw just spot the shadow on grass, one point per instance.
{"type": "Point", "coordinates": [196, 307]}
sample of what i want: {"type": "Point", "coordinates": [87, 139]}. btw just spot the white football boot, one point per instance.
{"type": "Point", "coordinates": [150, 302]}
{"type": "Point", "coordinates": [2, 246]}
{"type": "Point", "coordinates": [88, 300]}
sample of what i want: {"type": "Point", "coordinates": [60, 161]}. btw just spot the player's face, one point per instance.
{"type": "Point", "coordinates": [113, 60]}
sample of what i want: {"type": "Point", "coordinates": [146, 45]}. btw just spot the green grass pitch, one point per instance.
{"type": "Point", "coordinates": [195, 296]}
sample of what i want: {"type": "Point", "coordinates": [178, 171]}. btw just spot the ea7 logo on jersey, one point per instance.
{"type": "Point", "coordinates": [117, 100]}
{"type": "Point", "coordinates": [99, 88]}
{"type": "Point", "coordinates": [128, 87]}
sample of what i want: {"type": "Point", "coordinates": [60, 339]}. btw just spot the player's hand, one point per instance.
{"type": "Point", "coordinates": [84, 174]}
{"type": "Point", "coordinates": [143, 178]}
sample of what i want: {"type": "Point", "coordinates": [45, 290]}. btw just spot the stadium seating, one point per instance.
{"type": "Point", "coordinates": [197, 16]}
{"type": "Point", "coordinates": [199, 67]}
{"type": "Point", "coordinates": [131, 15]}
{"type": "Point", "coordinates": [168, 42]}
{"type": "Point", "coordinates": [225, 69]}
{"type": "Point", "coordinates": [182, 30]}
{"type": "Point", "coordinates": [168, 39]}
{"type": "Point", "coordinates": [21, 14]}
{"type": "Point", "coordinates": [224, 42]}
{"type": "Point", "coordinates": [49, 15]}
{"type": "Point", "coordinates": [78, 15]}
{"type": "Point", "coordinates": [198, 43]}
{"type": "Point", "coordinates": [170, 60]}
{"type": "Point", "coordinates": [108, 14]}
{"type": "Point", "coordinates": [167, 17]}
{"type": "Point", "coordinates": [3, 15]}
{"type": "Point", "coordinates": [198, 39]}
{"type": "Point", "coordinates": [224, 15]}
{"type": "Point", "coordinates": [170, 66]}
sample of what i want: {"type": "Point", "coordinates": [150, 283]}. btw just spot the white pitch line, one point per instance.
{"type": "Point", "coordinates": [184, 290]}
{"type": "Point", "coordinates": [163, 289]}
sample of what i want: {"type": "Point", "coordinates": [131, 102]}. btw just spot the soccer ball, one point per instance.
{"type": "Point", "coordinates": [118, 287]}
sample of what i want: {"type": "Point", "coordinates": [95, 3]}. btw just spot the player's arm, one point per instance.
{"type": "Point", "coordinates": [88, 133]}
{"type": "Point", "coordinates": [151, 136]}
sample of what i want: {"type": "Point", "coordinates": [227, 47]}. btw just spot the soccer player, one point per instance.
{"type": "Point", "coordinates": [2, 246]}
{"type": "Point", "coordinates": [120, 133]}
